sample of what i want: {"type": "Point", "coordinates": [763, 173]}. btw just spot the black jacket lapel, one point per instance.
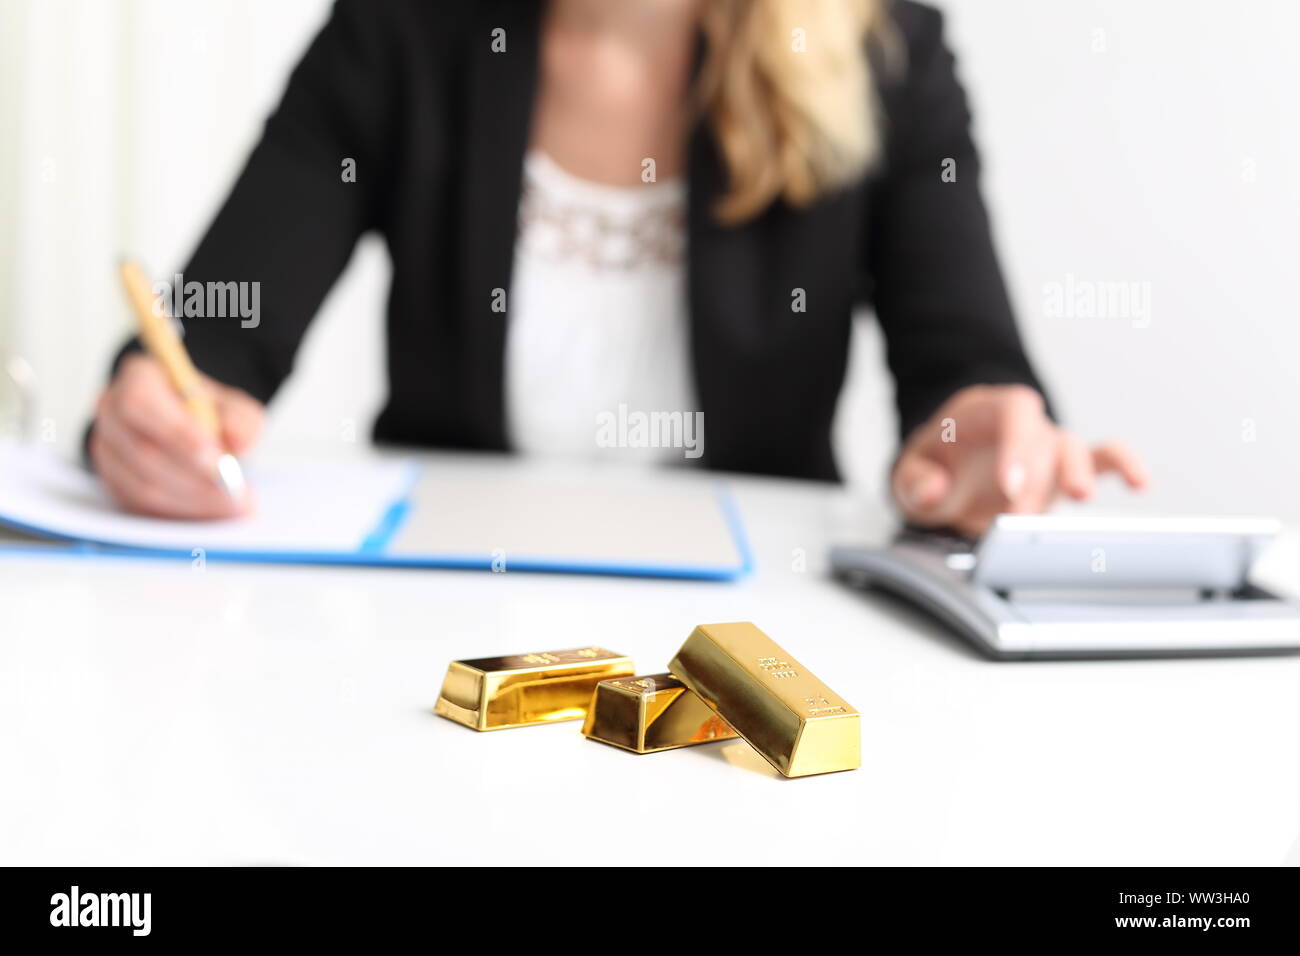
{"type": "Point", "coordinates": [499, 104]}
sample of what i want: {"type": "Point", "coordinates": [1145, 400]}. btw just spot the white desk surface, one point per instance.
{"type": "Point", "coordinates": [151, 713]}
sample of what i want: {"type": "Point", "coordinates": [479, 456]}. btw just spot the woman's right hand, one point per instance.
{"type": "Point", "coordinates": [151, 452]}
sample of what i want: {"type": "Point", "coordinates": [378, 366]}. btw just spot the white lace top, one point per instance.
{"type": "Point", "coordinates": [597, 314]}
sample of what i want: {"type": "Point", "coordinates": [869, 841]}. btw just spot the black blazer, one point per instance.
{"type": "Point", "coordinates": [438, 125]}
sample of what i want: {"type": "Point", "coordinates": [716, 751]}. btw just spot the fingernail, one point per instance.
{"type": "Point", "coordinates": [1013, 480]}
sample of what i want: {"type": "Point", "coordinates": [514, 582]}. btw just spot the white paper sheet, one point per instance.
{"type": "Point", "coordinates": [301, 508]}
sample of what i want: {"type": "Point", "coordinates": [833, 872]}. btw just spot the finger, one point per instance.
{"type": "Point", "coordinates": [1112, 456]}
{"type": "Point", "coordinates": [973, 524]}
{"type": "Point", "coordinates": [1026, 446]}
{"type": "Point", "coordinates": [241, 415]}
{"type": "Point", "coordinates": [182, 490]}
{"type": "Point", "coordinates": [118, 481]}
{"type": "Point", "coordinates": [112, 435]}
{"type": "Point", "coordinates": [145, 400]}
{"type": "Point", "coordinates": [135, 493]}
{"type": "Point", "coordinates": [124, 484]}
{"type": "Point", "coordinates": [126, 433]}
{"type": "Point", "coordinates": [920, 486]}
{"type": "Point", "coordinates": [1074, 472]}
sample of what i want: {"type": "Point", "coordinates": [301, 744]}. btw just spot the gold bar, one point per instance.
{"type": "Point", "coordinates": [649, 714]}
{"type": "Point", "coordinates": [493, 693]}
{"type": "Point", "coordinates": [795, 721]}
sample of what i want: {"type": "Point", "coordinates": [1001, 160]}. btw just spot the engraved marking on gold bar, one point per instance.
{"type": "Point", "coordinates": [517, 690]}
{"type": "Point", "coordinates": [782, 710]}
{"type": "Point", "coordinates": [649, 714]}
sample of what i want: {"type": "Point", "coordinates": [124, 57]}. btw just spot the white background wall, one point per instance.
{"type": "Point", "coordinates": [1163, 149]}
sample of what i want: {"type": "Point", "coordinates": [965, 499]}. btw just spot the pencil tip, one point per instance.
{"type": "Point", "coordinates": [232, 476]}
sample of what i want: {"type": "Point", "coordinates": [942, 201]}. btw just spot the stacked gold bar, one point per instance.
{"type": "Point", "coordinates": [493, 693]}
{"type": "Point", "coordinates": [727, 680]}
{"type": "Point", "coordinates": [782, 710]}
{"type": "Point", "coordinates": [650, 714]}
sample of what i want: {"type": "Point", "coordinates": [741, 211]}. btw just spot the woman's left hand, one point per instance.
{"type": "Point", "coordinates": [992, 449]}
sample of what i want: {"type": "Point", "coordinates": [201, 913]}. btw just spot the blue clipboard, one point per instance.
{"type": "Point", "coordinates": [433, 521]}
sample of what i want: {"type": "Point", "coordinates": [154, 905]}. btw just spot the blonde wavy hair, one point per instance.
{"type": "Point", "coordinates": [790, 96]}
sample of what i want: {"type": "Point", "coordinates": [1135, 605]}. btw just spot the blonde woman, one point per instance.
{"type": "Point", "coordinates": [647, 205]}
